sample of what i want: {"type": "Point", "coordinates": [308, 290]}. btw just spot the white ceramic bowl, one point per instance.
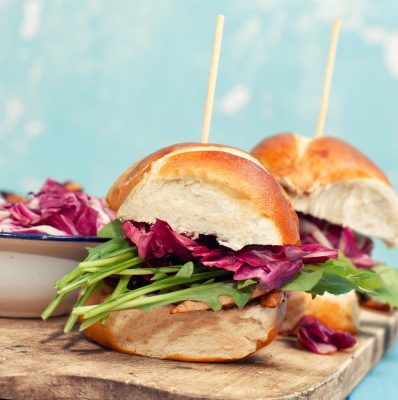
{"type": "Point", "coordinates": [29, 267]}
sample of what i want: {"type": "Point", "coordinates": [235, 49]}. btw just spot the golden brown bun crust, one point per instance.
{"type": "Point", "coordinates": [326, 160]}
{"type": "Point", "coordinates": [223, 166]}
{"type": "Point", "coordinates": [203, 336]}
{"type": "Point", "coordinates": [340, 313]}
{"type": "Point", "coordinates": [132, 176]}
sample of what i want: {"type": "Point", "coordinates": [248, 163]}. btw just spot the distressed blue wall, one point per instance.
{"type": "Point", "coordinates": [87, 87]}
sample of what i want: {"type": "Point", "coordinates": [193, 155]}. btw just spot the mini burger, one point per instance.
{"type": "Point", "coordinates": [205, 244]}
{"type": "Point", "coordinates": [342, 200]}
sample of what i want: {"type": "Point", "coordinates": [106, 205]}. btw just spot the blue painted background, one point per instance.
{"type": "Point", "coordinates": [87, 87]}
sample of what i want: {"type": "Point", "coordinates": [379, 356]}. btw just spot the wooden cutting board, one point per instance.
{"type": "Point", "coordinates": [37, 361]}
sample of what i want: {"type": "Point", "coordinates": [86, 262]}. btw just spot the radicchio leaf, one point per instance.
{"type": "Point", "coordinates": [320, 339]}
{"type": "Point", "coordinates": [55, 210]}
{"type": "Point", "coordinates": [354, 246]}
{"type": "Point", "coordinates": [272, 266]}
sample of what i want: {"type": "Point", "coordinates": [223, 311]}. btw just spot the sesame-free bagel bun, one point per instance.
{"type": "Point", "coordinates": [201, 336]}
{"type": "Point", "coordinates": [331, 180]}
{"type": "Point", "coordinates": [207, 189]}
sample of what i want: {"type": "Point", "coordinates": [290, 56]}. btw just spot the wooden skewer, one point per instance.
{"type": "Point", "coordinates": [328, 77]}
{"type": "Point", "coordinates": [215, 57]}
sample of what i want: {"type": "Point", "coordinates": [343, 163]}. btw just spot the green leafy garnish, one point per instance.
{"type": "Point", "coordinates": [246, 283]}
{"type": "Point", "coordinates": [305, 280]}
{"type": "Point", "coordinates": [186, 270]}
{"type": "Point", "coordinates": [341, 276]}
{"type": "Point", "coordinates": [208, 294]}
{"type": "Point", "coordinates": [158, 276]}
{"type": "Point", "coordinates": [174, 281]}
{"type": "Point", "coordinates": [168, 285]}
{"type": "Point", "coordinates": [387, 293]}
{"type": "Point", "coordinates": [118, 261]}
{"type": "Point", "coordinates": [111, 230]}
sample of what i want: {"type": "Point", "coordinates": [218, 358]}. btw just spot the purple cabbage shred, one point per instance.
{"type": "Point", "coordinates": [318, 338]}
{"type": "Point", "coordinates": [55, 210]}
{"type": "Point", "coordinates": [272, 266]}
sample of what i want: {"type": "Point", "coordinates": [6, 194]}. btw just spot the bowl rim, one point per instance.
{"type": "Point", "coordinates": [51, 238]}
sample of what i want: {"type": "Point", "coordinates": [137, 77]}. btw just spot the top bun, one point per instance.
{"type": "Point", "coordinates": [207, 189]}
{"type": "Point", "coordinates": [331, 180]}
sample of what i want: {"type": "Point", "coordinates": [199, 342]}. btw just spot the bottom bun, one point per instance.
{"type": "Point", "coordinates": [340, 313]}
{"type": "Point", "coordinates": [201, 336]}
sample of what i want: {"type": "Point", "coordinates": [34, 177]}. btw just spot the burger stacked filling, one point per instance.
{"type": "Point", "coordinates": [271, 266]}
{"type": "Point", "coordinates": [145, 266]}
{"type": "Point", "coordinates": [356, 247]}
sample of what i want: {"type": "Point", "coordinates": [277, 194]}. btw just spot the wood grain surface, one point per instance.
{"type": "Point", "coordinates": [37, 361]}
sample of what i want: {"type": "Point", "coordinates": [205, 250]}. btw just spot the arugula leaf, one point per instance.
{"type": "Point", "coordinates": [383, 269]}
{"type": "Point", "coordinates": [186, 270]}
{"type": "Point", "coordinates": [343, 262]}
{"type": "Point", "coordinates": [112, 230]}
{"type": "Point", "coordinates": [212, 280]}
{"type": "Point", "coordinates": [341, 276]}
{"type": "Point", "coordinates": [333, 284]}
{"type": "Point", "coordinates": [208, 294]}
{"type": "Point", "coordinates": [388, 291]}
{"type": "Point", "coordinates": [305, 280]}
{"type": "Point", "coordinates": [246, 283]}
{"type": "Point", "coordinates": [94, 253]}
{"type": "Point", "coordinates": [158, 276]}
{"type": "Point", "coordinates": [85, 293]}
{"type": "Point", "coordinates": [107, 248]}
{"type": "Point", "coordinates": [113, 258]}
{"type": "Point", "coordinates": [242, 296]}
{"type": "Point", "coordinates": [174, 281]}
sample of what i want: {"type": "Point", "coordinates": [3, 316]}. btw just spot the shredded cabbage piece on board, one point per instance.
{"type": "Point", "coordinates": [318, 338]}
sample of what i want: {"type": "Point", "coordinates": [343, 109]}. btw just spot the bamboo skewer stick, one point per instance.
{"type": "Point", "coordinates": [328, 77]}
{"type": "Point", "coordinates": [215, 57]}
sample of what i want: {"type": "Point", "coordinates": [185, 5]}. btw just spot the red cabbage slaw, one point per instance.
{"type": "Point", "coordinates": [272, 266]}
{"type": "Point", "coordinates": [320, 339]}
{"type": "Point", "coordinates": [354, 246]}
{"type": "Point", "coordinates": [55, 210]}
